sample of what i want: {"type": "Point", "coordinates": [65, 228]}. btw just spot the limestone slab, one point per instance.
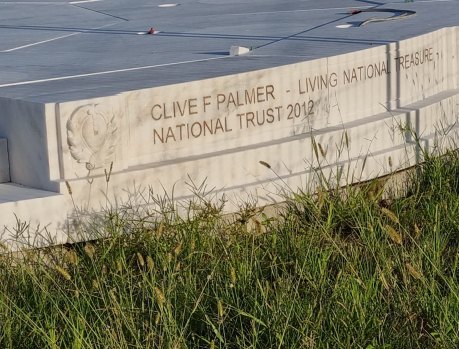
{"type": "Point", "coordinates": [97, 113]}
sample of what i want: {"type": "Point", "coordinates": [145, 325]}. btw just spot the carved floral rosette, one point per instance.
{"type": "Point", "coordinates": [92, 136]}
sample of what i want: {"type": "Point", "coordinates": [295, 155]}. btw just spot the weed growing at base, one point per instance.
{"type": "Point", "coordinates": [340, 269]}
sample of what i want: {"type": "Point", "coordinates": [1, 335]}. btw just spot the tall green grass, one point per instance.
{"type": "Point", "coordinates": [342, 268]}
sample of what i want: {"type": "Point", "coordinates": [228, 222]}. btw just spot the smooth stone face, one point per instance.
{"type": "Point", "coordinates": [30, 129]}
{"type": "Point", "coordinates": [4, 163]}
{"type": "Point", "coordinates": [208, 117]}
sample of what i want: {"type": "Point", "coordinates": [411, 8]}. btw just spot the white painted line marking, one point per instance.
{"type": "Point", "coordinates": [31, 3]}
{"type": "Point", "coordinates": [344, 26]}
{"type": "Point", "coordinates": [328, 8]}
{"type": "Point", "coordinates": [168, 5]}
{"type": "Point", "coordinates": [68, 77]}
{"type": "Point", "coordinates": [82, 1]}
{"type": "Point", "coordinates": [47, 2]}
{"type": "Point", "coordinates": [289, 11]}
{"type": "Point", "coordinates": [431, 1]}
{"type": "Point", "coordinates": [56, 38]}
{"type": "Point", "coordinates": [38, 43]}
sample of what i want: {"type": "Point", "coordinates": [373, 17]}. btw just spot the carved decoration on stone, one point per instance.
{"type": "Point", "coordinates": [92, 135]}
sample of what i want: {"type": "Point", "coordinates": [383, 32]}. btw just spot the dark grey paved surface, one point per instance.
{"type": "Point", "coordinates": [60, 50]}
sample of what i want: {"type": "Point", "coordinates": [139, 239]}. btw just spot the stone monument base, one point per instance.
{"type": "Point", "coordinates": [242, 135]}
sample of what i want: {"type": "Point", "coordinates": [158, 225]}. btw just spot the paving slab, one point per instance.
{"type": "Point", "coordinates": [63, 50]}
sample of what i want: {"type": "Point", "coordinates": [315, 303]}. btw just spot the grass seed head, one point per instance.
{"type": "Point", "coordinates": [322, 151]}
{"type": "Point", "coordinates": [314, 147]}
{"type": "Point", "coordinates": [265, 164]}
{"type": "Point", "coordinates": [391, 215]}
{"type": "Point", "coordinates": [119, 265]}
{"type": "Point", "coordinates": [90, 250]}
{"type": "Point", "coordinates": [346, 139]}
{"type": "Point", "coordinates": [413, 272]}
{"type": "Point", "coordinates": [233, 276]}
{"type": "Point", "coordinates": [140, 260]}
{"type": "Point", "coordinates": [108, 173]}
{"type": "Point", "coordinates": [150, 263]}
{"type": "Point", "coordinates": [178, 267]}
{"type": "Point", "coordinates": [159, 296]}
{"type": "Point", "coordinates": [417, 230]}
{"type": "Point", "coordinates": [71, 257]}
{"type": "Point", "coordinates": [157, 319]}
{"type": "Point", "coordinates": [160, 230]}
{"type": "Point", "coordinates": [95, 284]}
{"type": "Point", "coordinates": [221, 311]}
{"type": "Point", "coordinates": [112, 295]}
{"type": "Point", "coordinates": [69, 188]}
{"type": "Point", "coordinates": [258, 226]}
{"type": "Point", "coordinates": [394, 235]}
{"type": "Point", "coordinates": [64, 273]}
{"type": "Point", "coordinates": [178, 249]}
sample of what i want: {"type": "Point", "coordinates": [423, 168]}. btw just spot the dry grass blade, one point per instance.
{"type": "Point", "coordinates": [384, 281]}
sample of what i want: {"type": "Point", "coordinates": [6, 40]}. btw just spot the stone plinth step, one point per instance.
{"type": "Point", "coordinates": [11, 192]}
{"type": "Point", "coordinates": [24, 210]}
